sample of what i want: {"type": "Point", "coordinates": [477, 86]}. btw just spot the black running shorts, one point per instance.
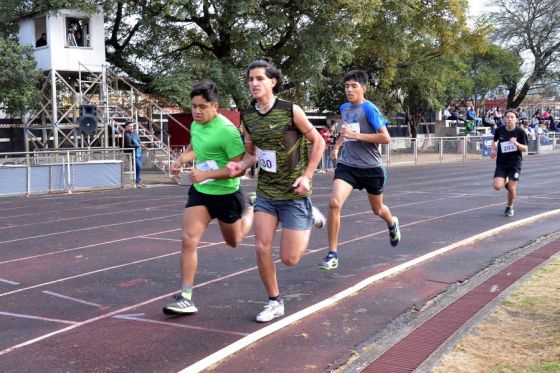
{"type": "Point", "coordinates": [227, 208]}
{"type": "Point", "coordinates": [511, 171]}
{"type": "Point", "coordinates": [371, 179]}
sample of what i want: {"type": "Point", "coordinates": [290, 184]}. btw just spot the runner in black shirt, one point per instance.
{"type": "Point", "coordinates": [510, 142]}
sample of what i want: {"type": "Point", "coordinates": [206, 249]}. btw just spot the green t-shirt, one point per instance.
{"type": "Point", "coordinates": [215, 143]}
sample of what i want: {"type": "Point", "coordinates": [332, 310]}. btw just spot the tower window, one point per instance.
{"type": "Point", "coordinates": [77, 32]}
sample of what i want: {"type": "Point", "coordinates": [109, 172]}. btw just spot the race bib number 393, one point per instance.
{"type": "Point", "coordinates": [508, 147]}
{"type": "Point", "coordinates": [267, 160]}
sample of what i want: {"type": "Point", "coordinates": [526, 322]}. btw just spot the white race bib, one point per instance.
{"type": "Point", "coordinates": [508, 147]}
{"type": "Point", "coordinates": [267, 160]}
{"type": "Point", "coordinates": [209, 165]}
{"type": "Point", "coordinates": [355, 127]}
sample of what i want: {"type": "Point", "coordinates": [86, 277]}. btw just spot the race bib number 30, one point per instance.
{"type": "Point", "coordinates": [267, 160]}
{"type": "Point", "coordinates": [508, 147]}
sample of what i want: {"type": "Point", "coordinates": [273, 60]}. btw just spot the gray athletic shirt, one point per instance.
{"type": "Point", "coordinates": [366, 118]}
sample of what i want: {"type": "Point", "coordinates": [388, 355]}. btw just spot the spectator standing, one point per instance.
{"type": "Point", "coordinates": [132, 141]}
{"type": "Point", "coordinates": [326, 135]}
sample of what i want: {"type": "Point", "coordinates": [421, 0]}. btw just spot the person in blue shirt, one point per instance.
{"type": "Point", "coordinates": [471, 115]}
{"type": "Point", "coordinates": [132, 141]}
{"type": "Point", "coordinates": [359, 165]}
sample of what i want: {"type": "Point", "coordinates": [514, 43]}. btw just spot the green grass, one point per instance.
{"type": "Point", "coordinates": [546, 367]}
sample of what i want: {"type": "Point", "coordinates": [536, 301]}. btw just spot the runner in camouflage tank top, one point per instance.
{"type": "Point", "coordinates": [275, 131]}
{"type": "Point", "coordinates": [278, 131]}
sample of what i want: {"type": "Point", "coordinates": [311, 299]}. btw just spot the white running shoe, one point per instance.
{"type": "Point", "coordinates": [274, 309]}
{"type": "Point", "coordinates": [319, 220]}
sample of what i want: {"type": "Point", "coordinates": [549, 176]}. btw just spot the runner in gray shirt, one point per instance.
{"type": "Point", "coordinates": [359, 165]}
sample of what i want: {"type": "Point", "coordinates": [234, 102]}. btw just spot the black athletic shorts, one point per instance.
{"type": "Point", "coordinates": [227, 208]}
{"type": "Point", "coordinates": [511, 171]}
{"type": "Point", "coordinates": [372, 179]}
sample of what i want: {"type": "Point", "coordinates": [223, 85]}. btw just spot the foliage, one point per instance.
{"type": "Point", "coordinates": [155, 41]}
{"type": "Point", "coordinates": [482, 72]}
{"type": "Point", "coordinates": [19, 79]}
{"type": "Point", "coordinates": [529, 28]}
{"type": "Point", "coordinates": [407, 47]}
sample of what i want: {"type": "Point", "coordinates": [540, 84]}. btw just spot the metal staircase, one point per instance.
{"type": "Point", "coordinates": [120, 102]}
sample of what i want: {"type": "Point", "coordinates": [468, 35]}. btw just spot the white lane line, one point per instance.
{"type": "Point", "coordinates": [494, 288]}
{"type": "Point", "coordinates": [22, 316]}
{"type": "Point", "coordinates": [86, 246]}
{"type": "Point", "coordinates": [217, 243]}
{"type": "Point", "coordinates": [96, 206]}
{"type": "Point", "coordinates": [272, 327]}
{"type": "Point", "coordinates": [8, 281]}
{"type": "Point", "coordinates": [59, 220]}
{"type": "Point", "coordinates": [91, 228]}
{"type": "Point", "coordinates": [289, 320]}
{"type": "Point", "coordinates": [116, 312]}
{"type": "Point", "coordinates": [71, 298]}
{"type": "Point", "coordinates": [135, 317]}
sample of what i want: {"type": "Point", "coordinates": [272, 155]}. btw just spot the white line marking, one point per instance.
{"type": "Point", "coordinates": [116, 312]}
{"type": "Point", "coordinates": [128, 199]}
{"type": "Point", "coordinates": [299, 315]}
{"type": "Point", "coordinates": [91, 228]}
{"type": "Point", "coordinates": [38, 318]}
{"type": "Point", "coordinates": [289, 320]}
{"type": "Point", "coordinates": [72, 299]}
{"type": "Point", "coordinates": [494, 288]}
{"type": "Point", "coordinates": [86, 246]}
{"type": "Point", "coordinates": [78, 217]}
{"type": "Point", "coordinates": [8, 281]}
{"type": "Point", "coordinates": [134, 317]}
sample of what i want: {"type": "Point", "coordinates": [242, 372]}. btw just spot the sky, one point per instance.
{"type": "Point", "coordinates": [476, 7]}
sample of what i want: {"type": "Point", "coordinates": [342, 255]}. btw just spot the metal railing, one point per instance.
{"type": "Point", "coordinates": [65, 171]}
{"type": "Point", "coordinates": [402, 151]}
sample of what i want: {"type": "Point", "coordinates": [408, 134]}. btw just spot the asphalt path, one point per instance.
{"type": "Point", "coordinates": [83, 277]}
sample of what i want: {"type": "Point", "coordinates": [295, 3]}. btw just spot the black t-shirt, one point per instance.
{"type": "Point", "coordinates": [507, 152]}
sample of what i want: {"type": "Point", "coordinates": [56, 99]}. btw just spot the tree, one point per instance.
{"type": "Point", "coordinates": [529, 28]}
{"type": "Point", "coordinates": [153, 42]}
{"type": "Point", "coordinates": [406, 47]}
{"type": "Point", "coordinates": [19, 79]}
{"type": "Point", "coordinates": [482, 71]}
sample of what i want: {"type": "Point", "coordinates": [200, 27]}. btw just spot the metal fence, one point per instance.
{"type": "Point", "coordinates": [65, 171]}
{"type": "Point", "coordinates": [430, 149]}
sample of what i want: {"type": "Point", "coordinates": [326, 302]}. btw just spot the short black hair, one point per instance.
{"type": "Point", "coordinates": [271, 71]}
{"type": "Point", "coordinates": [207, 89]}
{"type": "Point", "coordinates": [359, 76]}
{"type": "Point", "coordinates": [512, 111]}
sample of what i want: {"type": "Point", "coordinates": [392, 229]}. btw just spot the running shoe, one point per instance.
{"type": "Point", "coordinates": [508, 211]}
{"type": "Point", "coordinates": [395, 232]}
{"type": "Point", "coordinates": [181, 306]}
{"type": "Point", "coordinates": [274, 309]}
{"type": "Point", "coordinates": [319, 220]}
{"type": "Point", "coordinates": [329, 262]}
{"type": "Point", "coordinates": [252, 197]}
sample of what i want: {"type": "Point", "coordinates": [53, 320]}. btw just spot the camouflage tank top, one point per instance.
{"type": "Point", "coordinates": [281, 147]}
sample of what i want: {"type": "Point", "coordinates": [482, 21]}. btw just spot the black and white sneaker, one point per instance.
{"type": "Point", "coordinates": [181, 306]}
{"type": "Point", "coordinates": [395, 232]}
{"type": "Point", "coordinates": [508, 211]}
